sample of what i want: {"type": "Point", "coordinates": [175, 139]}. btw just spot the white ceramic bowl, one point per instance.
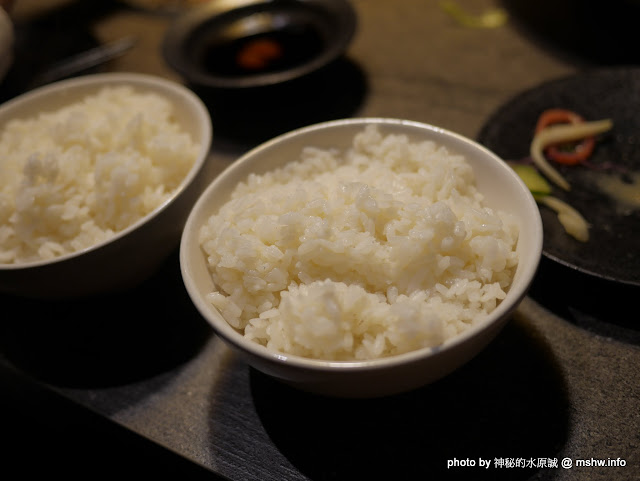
{"type": "Point", "coordinates": [502, 189]}
{"type": "Point", "coordinates": [135, 253]}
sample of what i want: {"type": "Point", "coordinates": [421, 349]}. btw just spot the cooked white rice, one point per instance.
{"type": "Point", "coordinates": [372, 252]}
{"type": "Point", "coordinates": [73, 177]}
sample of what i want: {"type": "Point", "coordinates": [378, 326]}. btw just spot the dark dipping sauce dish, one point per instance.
{"type": "Point", "coordinates": [256, 43]}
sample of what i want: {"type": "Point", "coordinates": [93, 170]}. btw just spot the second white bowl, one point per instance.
{"type": "Point", "coordinates": [134, 253]}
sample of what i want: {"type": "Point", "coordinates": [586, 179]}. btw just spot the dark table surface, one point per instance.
{"type": "Point", "coordinates": [138, 384]}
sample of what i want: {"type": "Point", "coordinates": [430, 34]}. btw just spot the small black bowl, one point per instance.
{"type": "Point", "coordinates": [256, 43]}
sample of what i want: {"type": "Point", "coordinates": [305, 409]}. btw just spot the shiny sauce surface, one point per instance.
{"type": "Point", "coordinates": [267, 52]}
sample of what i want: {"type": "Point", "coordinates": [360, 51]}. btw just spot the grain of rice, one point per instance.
{"type": "Point", "coordinates": [75, 176]}
{"type": "Point", "coordinates": [381, 249]}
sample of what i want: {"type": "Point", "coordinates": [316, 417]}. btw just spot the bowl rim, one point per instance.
{"type": "Point", "coordinates": [515, 294]}
{"type": "Point", "coordinates": [137, 80]}
{"type": "Point", "coordinates": [183, 26]}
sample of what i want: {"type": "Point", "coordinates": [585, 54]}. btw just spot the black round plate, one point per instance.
{"type": "Point", "coordinates": [613, 250]}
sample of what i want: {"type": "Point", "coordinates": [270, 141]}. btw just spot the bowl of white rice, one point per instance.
{"type": "Point", "coordinates": [97, 177]}
{"type": "Point", "coordinates": [361, 257]}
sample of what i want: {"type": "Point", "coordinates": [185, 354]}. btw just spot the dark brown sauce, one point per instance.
{"type": "Point", "coordinates": [268, 52]}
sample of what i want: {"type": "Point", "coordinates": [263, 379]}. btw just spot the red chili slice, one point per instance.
{"type": "Point", "coordinates": [580, 152]}
{"type": "Point", "coordinates": [259, 54]}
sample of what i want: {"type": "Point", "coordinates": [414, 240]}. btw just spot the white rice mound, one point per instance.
{"type": "Point", "coordinates": [372, 252]}
{"type": "Point", "coordinates": [73, 177]}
